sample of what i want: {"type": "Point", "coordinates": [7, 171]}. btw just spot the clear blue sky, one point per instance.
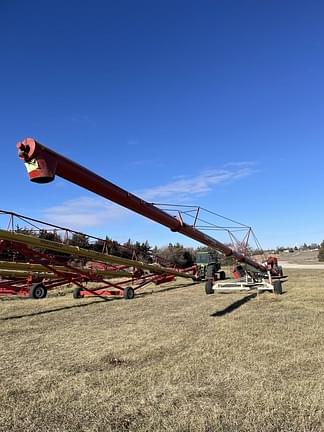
{"type": "Point", "coordinates": [215, 103]}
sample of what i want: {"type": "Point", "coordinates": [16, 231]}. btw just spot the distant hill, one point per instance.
{"type": "Point", "coordinates": [300, 257]}
{"type": "Point", "coordinates": [295, 257]}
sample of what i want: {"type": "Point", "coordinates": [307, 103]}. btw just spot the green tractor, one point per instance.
{"type": "Point", "coordinates": [208, 267]}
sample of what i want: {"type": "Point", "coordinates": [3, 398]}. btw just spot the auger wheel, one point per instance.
{"type": "Point", "coordinates": [38, 291]}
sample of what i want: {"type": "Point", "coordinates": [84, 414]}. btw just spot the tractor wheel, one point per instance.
{"type": "Point", "coordinates": [77, 293]}
{"type": "Point", "coordinates": [129, 293]}
{"type": "Point", "coordinates": [209, 287]}
{"type": "Point", "coordinates": [210, 272]}
{"type": "Point", "coordinates": [277, 287]}
{"type": "Point", "coordinates": [222, 275]}
{"type": "Point", "coordinates": [38, 291]}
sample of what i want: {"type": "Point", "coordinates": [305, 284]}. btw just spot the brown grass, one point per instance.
{"type": "Point", "coordinates": [175, 360]}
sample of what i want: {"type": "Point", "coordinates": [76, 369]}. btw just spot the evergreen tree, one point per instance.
{"type": "Point", "coordinates": [50, 235]}
{"type": "Point", "coordinates": [80, 240]}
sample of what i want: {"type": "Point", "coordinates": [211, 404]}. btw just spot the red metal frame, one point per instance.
{"type": "Point", "coordinates": [65, 273]}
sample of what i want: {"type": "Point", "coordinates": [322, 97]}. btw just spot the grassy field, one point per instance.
{"type": "Point", "coordinates": [174, 360]}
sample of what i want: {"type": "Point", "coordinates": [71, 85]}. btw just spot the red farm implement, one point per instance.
{"type": "Point", "coordinates": [36, 264]}
{"type": "Point", "coordinates": [43, 164]}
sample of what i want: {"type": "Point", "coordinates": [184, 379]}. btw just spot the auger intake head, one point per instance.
{"type": "Point", "coordinates": [40, 164]}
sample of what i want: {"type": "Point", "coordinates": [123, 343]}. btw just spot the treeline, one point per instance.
{"type": "Point", "coordinates": [171, 255]}
{"type": "Point", "coordinates": [130, 250]}
{"type": "Point", "coordinates": [304, 247]}
{"type": "Point", "coordinates": [175, 255]}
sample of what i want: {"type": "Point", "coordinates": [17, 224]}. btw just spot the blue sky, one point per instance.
{"type": "Point", "coordinates": [214, 103]}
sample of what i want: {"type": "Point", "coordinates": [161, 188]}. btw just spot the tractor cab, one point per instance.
{"type": "Point", "coordinates": [208, 266]}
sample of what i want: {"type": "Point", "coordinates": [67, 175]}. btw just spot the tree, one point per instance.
{"type": "Point", "coordinates": [27, 231]}
{"type": "Point", "coordinates": [176, 255]}
{"type": "Point", "coordinates": [145, 252]}
{"type": "Point", "coordinates": [99, 246]}
{"type": "Point", "coordinates": [80, 240]}
{"type": "Point", "coordinates": [50, 235]}
{"type": "Point", "coordinates": [321, 252]}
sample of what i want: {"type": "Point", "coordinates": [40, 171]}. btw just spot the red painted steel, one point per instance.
{"type": "Point", "coordinates": [43, 164]}
{"type": "Point", "coordinates": [65, 273]}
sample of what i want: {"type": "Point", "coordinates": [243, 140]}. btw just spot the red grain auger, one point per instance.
{"type": "Point", "coordinates": [43, 164]}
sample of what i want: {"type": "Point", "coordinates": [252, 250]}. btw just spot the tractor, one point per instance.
{"type": "Point", "coordinates": [208, 266]}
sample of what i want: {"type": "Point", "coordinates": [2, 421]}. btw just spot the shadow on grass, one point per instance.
{"type": "Point", "coordinates": [232, 307]}
{"type": "Point", "coordinates": [97, 296]}
{"type": "Point", "coordinates": [51, 310]}
{"type": "Point", "coordinates": [172, 288]}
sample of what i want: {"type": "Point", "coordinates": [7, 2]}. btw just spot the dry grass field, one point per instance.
{"type": "Point", "coordinates": [300, 257]}
{"type": "Point", "coordinates": [174, 360]}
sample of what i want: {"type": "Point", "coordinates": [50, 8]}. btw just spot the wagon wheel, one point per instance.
{"type": "Point", "coordinates": [77, 293]}
{"type": "Point", "coordinates": [277, 287]}
{"type": "Point", "coordinates": [38, 291]}
{"type": "Point", "coordinates": [129, 293]}
{"type": "Point", "coordinates": [209, 287]}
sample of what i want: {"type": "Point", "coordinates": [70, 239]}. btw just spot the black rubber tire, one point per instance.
{"type": "Point", "coordinates": [129, 293]}
{"type": "Point", "coordinates": [209, 287]}
{"type": "Point", "coordinates": [210, 272]}
{"type": "Point", "coordinates": [77, 293]}
{"type": "Point", "coordinates": [277, 287]}
{"type": "Point", "coordinates": [222, 275]}
{"type": "Point", "coordinates": [38, 291]}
